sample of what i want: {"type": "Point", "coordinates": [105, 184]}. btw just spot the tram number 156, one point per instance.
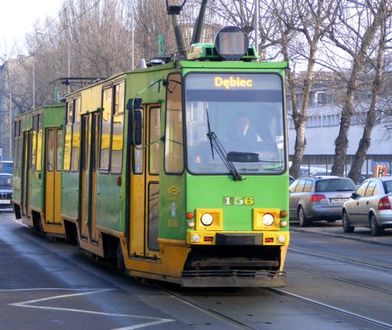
{"type": "Point", "coordinates": [229, 200]}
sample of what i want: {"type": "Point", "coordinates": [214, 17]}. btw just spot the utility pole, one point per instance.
{"type": "Point", "coordinates": [257, 18]}
{"type": "Point", "coordinates": [10, 117]}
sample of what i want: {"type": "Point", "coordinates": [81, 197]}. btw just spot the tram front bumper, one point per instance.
{"type": "Point", "coordinates": [237, 278]}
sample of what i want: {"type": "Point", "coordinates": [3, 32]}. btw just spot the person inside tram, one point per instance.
{"type": "Point", "coordinates": [244, 132]}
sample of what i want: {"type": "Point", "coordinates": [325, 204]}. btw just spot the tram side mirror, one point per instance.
{"type": "Point", "coordinates": [137, 127]}
{"type": "Point", "coordinates": [135, 108]}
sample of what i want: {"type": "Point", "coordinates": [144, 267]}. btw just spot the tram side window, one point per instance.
{"type": "Point", "coordinates": [36, 147]}
{"type": "Point", "coordinates": [16, 143]}
{"type": "Point", "coordinates": [59, 148]}
{"type": "Point", "coordinates": [76, 136]}
{"type": "Point", "coordinates": [118, 124]}
{"type": "Point", "coordinates": [174, 160]}
{"type": "Point", "coordinates": [68, 137]}
{"type": "Point", "coordinates": [50, 150]}
{"type": "Point", "coordinates": [155, 132]}
{"type": "Point", "coordinates": [38, 165]}
{"type": "Point", "coordinates": [105, 130]}
{"type": "Point", "coordinates": [138, 153]}
{"type": "Point", "coordinates": [34, 141]}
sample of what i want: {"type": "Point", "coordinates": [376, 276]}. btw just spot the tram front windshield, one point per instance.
{"type": "Point", "coordinates": [241, 113]}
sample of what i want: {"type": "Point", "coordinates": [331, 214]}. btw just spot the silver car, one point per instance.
{"type": "Point", "coordinates": [315, 198]}
{"type": "Point", "coordinates": [5, 192]}
{"type": "Point", "coordinates": [369, 206]}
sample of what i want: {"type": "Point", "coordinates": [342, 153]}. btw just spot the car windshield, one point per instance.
{"type": "Point", "coordinates": [243, 113]}
{"type": "Point", "coordinates": [7, 167]}
{"type": "Point", "coordinates": [335, 185]}
{"type": "Point", "coordinates": [5, 182]}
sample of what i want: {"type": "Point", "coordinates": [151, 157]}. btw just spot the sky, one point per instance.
{"type": "Point", "coordinates": [18, 17]}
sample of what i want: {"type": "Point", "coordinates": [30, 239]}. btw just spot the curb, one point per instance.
{"type": "Point", "coordinates": [355, 238]}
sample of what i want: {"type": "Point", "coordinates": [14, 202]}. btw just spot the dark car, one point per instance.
{"type": "Point", "coordinates": [369, 206]}
{"type": "Point", "coordinates": [5, 191]}
{"type": "Point", "coordinates": [7, 166]}
{"type": "Point", "coordinates": [315, 198]}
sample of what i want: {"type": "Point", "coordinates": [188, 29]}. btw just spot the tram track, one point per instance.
{"type": "Point", "coordinates": [342, 311]}
{"type": "Point", "coordinates": [198, 306]}
{"type": "Point", "coordinates": [344, 260]}
{"type": "Point", "coordinates": [342, 280]}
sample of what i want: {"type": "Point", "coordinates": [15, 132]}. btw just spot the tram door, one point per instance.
{"type": "Point", "coordinates": [145, 187]}
{"type": "Point", "coordinates": [88, 175]}
{"type": "Point", "coordinates": [53, 148]}
{"type": "Point", "coordinates": [26, 164]}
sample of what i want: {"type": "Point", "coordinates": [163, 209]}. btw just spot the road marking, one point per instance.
{"type": "Point", "coordinates": [19, 222]}
{"type": "Point", "coordinates": [29, 304]}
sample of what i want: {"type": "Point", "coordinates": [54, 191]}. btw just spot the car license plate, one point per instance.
{"type": "Point", "coordinates": [5, 201]}
{"type": "Point", "coordinates": [338, 200]}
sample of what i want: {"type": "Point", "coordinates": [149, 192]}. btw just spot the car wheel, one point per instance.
{"type": "Point", "coordinates": [374, 227]}
{"type": "Point", "coordinates": [303, 222]}
{"type": "Point", "coordinates": [347, 228]}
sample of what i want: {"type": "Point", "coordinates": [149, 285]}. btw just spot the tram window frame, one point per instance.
{"type": "Point", "coordinates": [36, 150]}
{"type": "Point", "coordinates": [105, 167]}
{"type": "Point", "coordinates": [179, 165]}
{"type": "Point", "coordinates": [69, 118]}
{"type": "Point", "coordinates": [154, 141]}
{"type": "Point", "coordinates": [76, 129]}
{"type": "Point", "coordinates": [59, 149]}
{"type": "Point", "coordinates": [17, 124]}
{"type": "Point", "coordinates": [50, 147]}
{"type": "Point", "coordinates": [38, 159]}
{"type": "Point", "coordinates": [138, 150]}
{"type": "Point", "coordinates": [118, 110]}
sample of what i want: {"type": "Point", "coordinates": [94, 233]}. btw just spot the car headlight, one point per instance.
{"type": "Point", "coordinates": [268, 219]}
{"type": "Point", "coordinates": [207, 219]}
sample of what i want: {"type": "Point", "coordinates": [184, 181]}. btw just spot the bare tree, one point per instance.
{"type": "Point", "coordinates": [378, 68]}
{"type": "Point", "coordinates": [353, 32]}
{"type": "Point", "coordinates": [297, 27]}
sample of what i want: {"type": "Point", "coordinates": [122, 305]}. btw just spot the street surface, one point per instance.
{"type": "Point", "coordinates": [335, 281]}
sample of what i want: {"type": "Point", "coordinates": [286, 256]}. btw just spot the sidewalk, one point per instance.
{"type": "Point", "coordinates": [336, 230]}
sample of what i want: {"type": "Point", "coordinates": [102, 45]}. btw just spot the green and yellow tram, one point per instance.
{"type": "Point", "coordinates": [178, 171]}
{"type": "Point", "coordinates": [38, 143]}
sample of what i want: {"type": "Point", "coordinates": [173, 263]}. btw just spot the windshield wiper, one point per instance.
{"type": "Point", "coordinates": [215, 143]}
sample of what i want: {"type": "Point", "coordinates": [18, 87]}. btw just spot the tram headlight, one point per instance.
{"type": "Point", "coordinates": [195, 238]}
{"type": "Point", "coordinates": [268, 219]}
{"type": "Point", "coordinates": [281, 239]}
{"type": "Point", "coordinates": [207, 219]}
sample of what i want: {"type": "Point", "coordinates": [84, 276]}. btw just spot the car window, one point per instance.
{"type": "Point", "coordinates": [362, 188]}
{"type": "Point", "coordinates": [5, 182]}
{"type": "Point", "coordinates": [292, 186]}
{"type": "Point", "coordinates": [388, 186]}
{"type": "Point", "coordinates": [370, 189]}
{"type": "Point", "coordinates": [308, 186]}
{"type": "Point", "coordinates": [7, 167]}
{"type": "Point", "coordinates": [300, 186]}
{"type": "Point", "coordinates": [335, 185]}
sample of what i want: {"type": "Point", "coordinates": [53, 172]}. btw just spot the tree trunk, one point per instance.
{"type": "Point", "coordinates": [341, 142]}
{"type": "Point", "coordinates": [364, 143]}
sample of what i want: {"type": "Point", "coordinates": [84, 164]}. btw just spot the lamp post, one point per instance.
{"type": "Point", "coordinates": [10, 119]}
{"type": "Point", "coordinates": [174, 8]}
